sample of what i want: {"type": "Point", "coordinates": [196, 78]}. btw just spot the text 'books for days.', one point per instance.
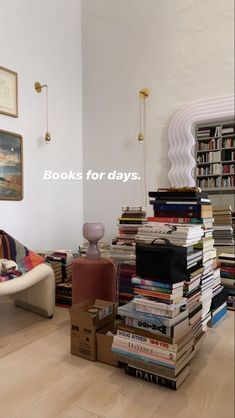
{"type": "Point", "coordinates": [176, 281]}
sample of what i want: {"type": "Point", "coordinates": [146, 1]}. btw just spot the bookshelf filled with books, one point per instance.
{"type": "Point", "coordinates": [215, 157]}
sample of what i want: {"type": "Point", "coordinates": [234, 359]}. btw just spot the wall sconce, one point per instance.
{"type": "Point", "coordinates": [38, 87]}
{"type": "Point", "coordinates": [143, 95]}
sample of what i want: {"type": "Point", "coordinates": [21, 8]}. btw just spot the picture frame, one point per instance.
{"type": "Point", "coordinates": [8, 92]}
{"type": "Point", "coordinates": [11, 166]}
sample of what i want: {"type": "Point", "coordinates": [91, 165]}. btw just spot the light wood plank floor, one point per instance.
{"type": "Point", "coordinates": [39, 378]}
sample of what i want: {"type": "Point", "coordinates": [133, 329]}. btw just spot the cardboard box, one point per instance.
{"type": "Point", "coordinates": [104, 344]}
{"type": "Point", "coordinates": [86, 318]}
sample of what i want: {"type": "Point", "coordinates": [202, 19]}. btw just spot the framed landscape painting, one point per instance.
{"type": "Point", "coordinates": [11, 166]}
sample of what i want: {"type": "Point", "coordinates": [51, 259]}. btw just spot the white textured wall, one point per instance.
{"type": "Point", "coordinates": [41, 40]}
{"type": "Point", "coordinates": [182, 50]}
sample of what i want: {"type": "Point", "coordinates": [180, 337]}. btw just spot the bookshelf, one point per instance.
{"type": "Point", "coordinates": [215, 157]}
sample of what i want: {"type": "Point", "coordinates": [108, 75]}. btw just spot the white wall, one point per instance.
{"type": "Point", "coordinates": [182, 50]}
{"type": "Point", "coordinates": [41, 40]}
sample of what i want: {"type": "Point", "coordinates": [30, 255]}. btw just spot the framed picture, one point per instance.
{"type": "Point", "coordinates": [11, 166]}
{"type": "Point", "coordinates": [8, 92]}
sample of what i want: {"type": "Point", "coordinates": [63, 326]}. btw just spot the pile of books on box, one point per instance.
{"type": "Point", "coordinates": [223, 227]}
{"type": "Point", "coordinates": [227, 265]}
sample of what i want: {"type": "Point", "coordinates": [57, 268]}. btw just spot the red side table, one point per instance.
{"type": "Point", "coordinates": [94, 279]}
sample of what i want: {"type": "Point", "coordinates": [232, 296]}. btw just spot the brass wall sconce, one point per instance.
{"type": "Point", "coordinates": [38, 87]}
{"type": "Point", "coordinates": [143, 95]}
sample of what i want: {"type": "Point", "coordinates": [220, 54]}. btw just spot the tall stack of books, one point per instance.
{"type": "Point", "coordinates": [164, 318]}
{"type": "Point", "coordinates": [123, 249]}
{"type": "Point", "coordinates": [218, 303]}
{"type": "Point", "coordinates": [123, 245]}
{"type": "Point", "coordinates": [125, 271]}
{"type": "Point", "coordinates": [190, 212]}
{"type": "Point", "coordinates": [227, 265]}
{"type": "Point", "coordinates": [223, 227]}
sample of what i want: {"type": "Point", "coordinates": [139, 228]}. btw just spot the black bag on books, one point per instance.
{"type": "Point", "coordinates": [163, 262]}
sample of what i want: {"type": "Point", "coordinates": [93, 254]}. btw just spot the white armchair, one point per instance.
{"type": "Point", "coordinates": [34, 290]}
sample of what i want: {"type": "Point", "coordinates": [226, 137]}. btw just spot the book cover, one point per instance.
{"type": "Point", "coordinates": [173, 384]}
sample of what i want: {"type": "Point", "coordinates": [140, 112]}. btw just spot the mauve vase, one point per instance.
{"type": "Point", "coordinates": [93, 232]}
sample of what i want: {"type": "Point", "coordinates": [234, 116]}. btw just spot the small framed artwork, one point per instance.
{"type": "Point", "coordinates": [8, 92]}
{"type": "Point", "coordinates": [11, 166]}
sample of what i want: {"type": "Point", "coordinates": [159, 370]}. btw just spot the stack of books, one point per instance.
{"type": "Point", "coordinates": [223, 228]}
{"type": "Point", "coordinates": [189, 212]}
{"type": "Point", "coordinates": [61, 262]}
{"type": "Point", "coordinates": [64, 294]}
{"type": "Point", "coordinates": [218, 303]}
{"type": "Point", "coordinates": [56, 266]}
{"type": "Point", "coordinates": [123, 245]}
{"type": "Point", "coordinates": [155, 341]}
{"type": "Point", "coordinates": [123, 249]}
{"type": "Point", "coordinates": [103, 247]}
{"type": "Point", "coordinates": [125, 271]}
{"type": "Point", "coordinates": [227, 265]}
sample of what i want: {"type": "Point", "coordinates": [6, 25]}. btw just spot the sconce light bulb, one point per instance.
{"type": "Point", "coordinates": [141, 136]}
{"type": "Point", "coordinates": [47, 137]}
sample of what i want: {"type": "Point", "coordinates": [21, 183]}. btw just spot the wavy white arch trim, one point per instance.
{"type": "Point", "coordinates": [181, 139]}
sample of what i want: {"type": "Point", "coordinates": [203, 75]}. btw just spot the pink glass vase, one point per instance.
{"type": "Point", "coordinates": [93, 232]}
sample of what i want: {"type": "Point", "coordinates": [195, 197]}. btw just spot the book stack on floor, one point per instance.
{"type": "Point", "coordinates": [218, 303]}
{"type": "Point", "coordinates": [165, 322]}
{"type": "Point", "coordinates": [155, 341]}
{"type": "Point", "coordinates": [223, 228]}
{"type": "Point", "coordinates": [192, 208]}
{"type": "Point", "coordinates": [123, 249]}
{"type": "Point", "coordinates": [64, 294]}
{"type": "Point", "coordinates": [125, 271]}
{"type": "Point", "coordinates": [103, 247]}
{"type": "Point", "coordinates": [227, 265]}
{"type": "Point", "coordinates": [56, 266]}
{"type": "Point", "coordinates": [62, 258]}
{"type": "Point", "coordinates": [123, 245]}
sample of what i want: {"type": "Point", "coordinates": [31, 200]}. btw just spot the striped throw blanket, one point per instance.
{"type": "Point", "coordinates": [14, 250]}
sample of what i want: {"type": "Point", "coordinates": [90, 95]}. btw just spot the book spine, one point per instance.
{"type": "Point", "coordinates": [174, 213]}
{"type": "Point", "coordinates": [174, 220]}
{"type": "Point", "coordinates": [150, 293]}
{"type": "Point", "coordinates": [167, 350]}
{"type": "Point", "coordinates": [146, 352]}
{"type": "Point", "coordinates": [154, 311]}
{"type": "Point", "coordinates": [135, 344]}
{"type": "Point", "coordinates": [150, 377]}
{"type": "Point", "coordinates": [181, 207]}
{"type": "Point", "coordinates": [149, 358]}
{"type": "Point", "coordinates": [137, 280]}
{"type": "Point", "coordinates": [155, 329]}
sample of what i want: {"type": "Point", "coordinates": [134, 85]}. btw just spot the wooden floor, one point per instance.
{"type": "Point", "coordinates": [39, 378]}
